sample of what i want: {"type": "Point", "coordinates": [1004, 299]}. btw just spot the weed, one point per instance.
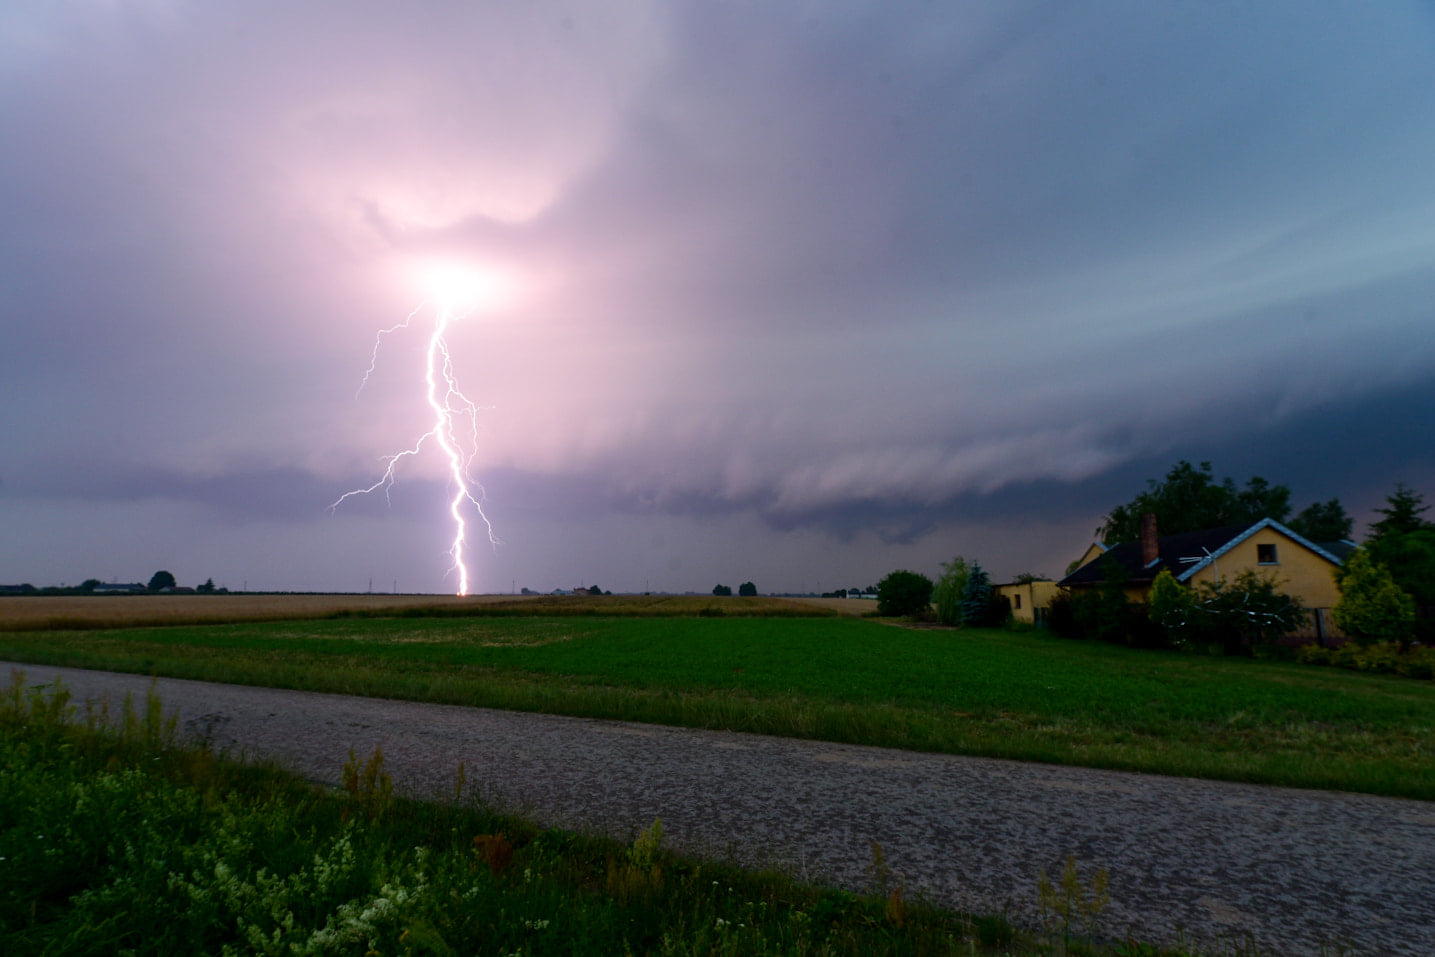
{"type": "Point", "coordinates": [370, 788]}
{"type": "Point", "coordinates": [638, 875]}
{"type": "Point", "coordinates": [1072, 903]}
{"type": "Point", "coordinates": [495, 851]}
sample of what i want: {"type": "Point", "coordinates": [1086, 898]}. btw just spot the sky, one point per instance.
{"type": "Point", "coordinates": [792, 293]}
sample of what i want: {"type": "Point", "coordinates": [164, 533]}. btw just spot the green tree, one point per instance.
{"type": "Point", "coordinates": [904, 593]}
{"type": "Point", "coordinates": [1372, 608]}
{"type": "Point", "coordinates": [161, 580]}
{"type": "Point", "coordinates": [1323, 522]}
{"type": "Point", "coordinates": [747, 590]}
{"type": "Point", "coordinates": [1190, 499]}
{"type": "Point", "coordinates": [1402, 514]}
{"type": "Point", "coordinates": [977, 597]}
{"type": "Point", "coordinates": [89, 585]}
{"type": "Point", "coordinates": [722, 591]}
{"type": "Point", "coordinates": [207, 588]}
{"type": "Point", "coordinates": [1258, 500]}
{"type": "Point", "coordinates": [1410, 559]}
{"type": "Point", "coordinates": [947, 593]}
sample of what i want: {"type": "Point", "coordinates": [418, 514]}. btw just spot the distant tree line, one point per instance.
{"type": "Point", "coordinates": [1190, 499]}
{"type": "Point", "coordinates": [161, 581]}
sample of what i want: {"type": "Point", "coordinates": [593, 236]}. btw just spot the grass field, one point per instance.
{"type": "Point", "coordinates": [1017, 695]}
{"type": "Point", "coordinates": [49, 613]}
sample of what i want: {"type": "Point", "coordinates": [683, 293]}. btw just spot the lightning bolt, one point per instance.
{"type": "Point", "coordinates": [458, 446]}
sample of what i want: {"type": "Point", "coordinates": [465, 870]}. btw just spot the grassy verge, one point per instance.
{"type": "Point", "coordinates": [115, 839]}
{"type": "Point", "coordinates": [1023, 696]}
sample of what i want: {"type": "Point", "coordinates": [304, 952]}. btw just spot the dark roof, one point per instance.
{"type": "Point", "coordinates": [1170, 550]}
{"type": "Point", "coordinates": [1202, 545]}
{"type": "Point", "coordinates": [1342, 549]}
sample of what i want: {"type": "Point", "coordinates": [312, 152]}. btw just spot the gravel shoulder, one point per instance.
{"type": "Point", "coordinates": [1204, 861]}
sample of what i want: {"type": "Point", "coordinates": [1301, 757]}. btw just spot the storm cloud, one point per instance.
{"type": "Point", "coordinates": [810, 289]}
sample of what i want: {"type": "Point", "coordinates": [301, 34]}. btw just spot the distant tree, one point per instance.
{"type": "Point", "coordinates": [207, 588]}
{"type": "Point", "coordinates": [1190, 499]}
{"type": "Point", "coordinates": [903, 593]}
{"type": "Point", "coordinates": [89, 585]}
{"type": "Point", "coordinates": [1026, 578]}
{"type": "Point", "coordinates": [1402, 514]}
{"type": "Point", "coordinates": [722, 591]}
{"type": "Point", "coordinates": [947, 593]}
{"type": "Point", "coordinates": [977, 598]}
{"type": "Point", "coordinates": [1259, 499]}
{"type": "Point", "coordinates": [161, 580]}
{"type": "Point", "coordinates": [1323, 522]}
{"type": "Point", "coordinates": [1372, 607]}
{"type": "Point", "coordinates": [747, 590]}
{"type": "Point", "coordinates": [595, 590]}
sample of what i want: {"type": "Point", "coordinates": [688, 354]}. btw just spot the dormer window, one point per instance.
{"type": "Point", "coordinates": [1266, 555]}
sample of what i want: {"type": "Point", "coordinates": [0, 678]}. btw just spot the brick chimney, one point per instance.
{"type": "Point", "coordinates": [1149, 550]}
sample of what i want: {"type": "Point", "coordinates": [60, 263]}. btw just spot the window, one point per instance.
{"type": "Point", "coordinates": [1266, 555]}
{"type": "Point", "coordinates": [1018, 601]}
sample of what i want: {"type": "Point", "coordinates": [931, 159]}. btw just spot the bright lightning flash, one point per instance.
{"type": "Point", "coordinates": [456, 292]}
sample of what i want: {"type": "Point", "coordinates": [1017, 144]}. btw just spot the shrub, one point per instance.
{"type": "Point", "coordinates": [1383, 658]}
{"type": "Point", "coordinates": [1061, 616]}
{"type": "Point", "coordinates": [1372, 608]}
{"type": "Point", "coordinates": [1173, 608]}
{"type": "Point", "coordinates": [903, 593]}
{"type": "Point", "coordinates": [1246, 611]}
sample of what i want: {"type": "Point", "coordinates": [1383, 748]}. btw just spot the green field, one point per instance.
{"type": "Point", "coordinates": [1017, 695]}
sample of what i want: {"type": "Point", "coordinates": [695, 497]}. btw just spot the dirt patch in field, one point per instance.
{"type": "Point", "coordinates": [843, 606]}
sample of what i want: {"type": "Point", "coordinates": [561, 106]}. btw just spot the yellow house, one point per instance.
{"type": "Point", "coordinates": [1300, 568]}
{"type": "Point", "coordinates": [1029, 600]}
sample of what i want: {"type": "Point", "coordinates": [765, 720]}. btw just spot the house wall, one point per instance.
{"type": "Point", "coordinates": [1298, 571]}
{"type": "Point", "coordinates": [1033, 595]}
{"type": "Point", "coordinates": [1093, 551]}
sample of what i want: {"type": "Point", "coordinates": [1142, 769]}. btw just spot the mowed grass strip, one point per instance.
{"type": "Point", "coordinates": [1026, 696]}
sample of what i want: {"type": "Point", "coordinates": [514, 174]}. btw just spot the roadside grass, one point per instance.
{"type": "Point", "coordinates": [117, 838]}
{"type": "Point", "coordinates": [1025, 696]}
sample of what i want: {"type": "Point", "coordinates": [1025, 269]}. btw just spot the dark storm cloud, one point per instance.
{"type": "Point", "coordinates": [875, 271]}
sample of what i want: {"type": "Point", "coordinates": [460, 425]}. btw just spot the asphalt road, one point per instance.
{"type": "Point", "coordinates": [1203, 861]}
